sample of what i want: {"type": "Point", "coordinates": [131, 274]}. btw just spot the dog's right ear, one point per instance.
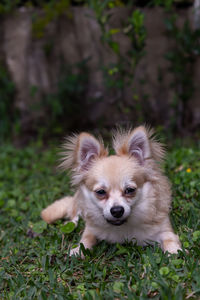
{"type": "Point", "coordinates": [80, 151]}
{"type": "Point", "coordinates": [89, 149]}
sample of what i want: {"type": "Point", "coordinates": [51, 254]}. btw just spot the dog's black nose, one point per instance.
{"type": "Point", "coordinates": [117, 211]}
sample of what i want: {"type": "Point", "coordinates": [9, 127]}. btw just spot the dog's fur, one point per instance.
{"type": "Point", "coordinates": [122, 197]}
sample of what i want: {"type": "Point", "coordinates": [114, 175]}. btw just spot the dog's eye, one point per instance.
{"type": "Point", "coordinates": [101, 193]}
{"type": "Point", "coordinates": [129, 191]}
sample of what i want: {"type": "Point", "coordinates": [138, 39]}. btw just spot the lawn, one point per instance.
{"type": "Point", "coordinates": [34, 261]}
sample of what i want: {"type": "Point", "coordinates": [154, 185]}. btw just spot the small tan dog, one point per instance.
{"type": "Point", "coordinates": [122, 197]}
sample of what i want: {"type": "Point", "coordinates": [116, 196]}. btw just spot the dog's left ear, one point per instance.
{"type": "Point", "coordinates": [139, 144]}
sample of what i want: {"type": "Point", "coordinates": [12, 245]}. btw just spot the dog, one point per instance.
{"type": "Point", "coordinates": [121, 197]}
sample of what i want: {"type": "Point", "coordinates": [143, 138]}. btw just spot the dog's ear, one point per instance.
{"type": "Point", "coordinates": [89, 149]}
{"type": "Point", "coordinates": [139, 144]}
{"type": "Point", "coordinates": [80, 151]}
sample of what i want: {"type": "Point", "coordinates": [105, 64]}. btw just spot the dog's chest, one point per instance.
{"type": "Point", "coordinates": [121, 234]}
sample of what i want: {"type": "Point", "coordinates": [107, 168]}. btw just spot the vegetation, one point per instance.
{"type": "Point", "coordinates": [67, 101]}
{"type": "Point", "coordinates": [7, 116]}
{"type": "Point", "coordinates": [182, 58]}
{"type": "Point", "coordinates": [34, 261]}
{"type": "Point", "coordinates": [119, 73]}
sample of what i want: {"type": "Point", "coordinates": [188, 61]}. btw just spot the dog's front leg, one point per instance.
{"type": "Point", "coordinates": [170, 242]}
{"type": "Point", "coordinates": [88, 240]}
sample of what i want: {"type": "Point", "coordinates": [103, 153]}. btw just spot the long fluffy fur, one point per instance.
{"type": "Point", "coordinates": [69, 152]}
{"type": "Point", "coordinates": [121, 137]}
{"type": "Point", "coordinates": [137, 161]}
{"type": "Point", "coordinates": [69, 155]}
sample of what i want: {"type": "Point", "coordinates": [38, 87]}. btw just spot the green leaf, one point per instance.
{"type": "Point", "coordinates": [186, 244]}
{"type": "Point", "coordinates": [196, 235]}
{"type": "Point", "coordinates": [39, 227]}
{"type": "Point", "coordinates": [121, 250]}
{"type": "Point", "coordinates": [114, 31]}
{"type": "Point", "coordinates": [24, 206]}
{"type": "Point", "coordinates": [164, 271]}
{"type": "Point", "coordinates": [118, 286]}
{"type": "Point", "coordinates": [175, 277]}
{"type": "Point", "coordinates": [67, 228]}
{"type": "Point", "coordinates": [114, 46]}
{"type": "Point", "coordinates": [81, 287]}
{"type": "Point", "coordinates": [11, 203]}
{"type": "Point", "coordinates": [177, 262]}
{"type": "Point", "coordinates": [154, 285]}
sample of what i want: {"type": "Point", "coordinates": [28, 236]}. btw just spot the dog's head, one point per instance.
{"type": "Point", "coordinates": [112, 184]}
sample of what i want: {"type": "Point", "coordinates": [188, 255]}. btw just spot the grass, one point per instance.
{"type": "Point", "coordinates": [34, 261]}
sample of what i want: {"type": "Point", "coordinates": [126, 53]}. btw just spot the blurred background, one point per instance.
{"type": "Point", "coordinates": [68, 66]}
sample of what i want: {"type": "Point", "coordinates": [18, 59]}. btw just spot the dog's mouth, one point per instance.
{"type": "Point", "coordinates": [116, 222]}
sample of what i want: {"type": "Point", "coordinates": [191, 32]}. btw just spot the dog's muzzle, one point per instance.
{"type": "Point", "coordinates": [116, 212]}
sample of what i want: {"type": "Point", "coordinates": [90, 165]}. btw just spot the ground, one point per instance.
{"type": "Point", "coordinates": [34, 261]}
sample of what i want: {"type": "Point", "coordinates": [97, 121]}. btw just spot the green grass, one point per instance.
{"type": "Point", "coordinates": [34, 261]}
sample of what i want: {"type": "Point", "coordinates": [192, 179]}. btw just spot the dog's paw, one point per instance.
{"type": "Point", "coordinates": [75, 252]}
{"type": "Point", "coordinates": [172, 247]}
